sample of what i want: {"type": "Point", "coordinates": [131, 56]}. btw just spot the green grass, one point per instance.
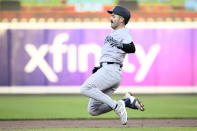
{"type": "Point", "coordinates": [75, 107]}
{"type": "Point", "coordinates": [114, 129]}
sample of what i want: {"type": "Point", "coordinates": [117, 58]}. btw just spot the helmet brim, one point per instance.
{"type": "Point", "coordinates": [110, 11]}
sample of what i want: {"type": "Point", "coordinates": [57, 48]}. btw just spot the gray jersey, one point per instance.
{"type": "Point", "coordinates": [113, 54]}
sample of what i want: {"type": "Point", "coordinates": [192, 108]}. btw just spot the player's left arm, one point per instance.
{"type": "Point", "coordinates": [128, 48]}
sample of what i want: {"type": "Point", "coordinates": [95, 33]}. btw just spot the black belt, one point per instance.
{"type": "Point", "coordinates": [111, 63]}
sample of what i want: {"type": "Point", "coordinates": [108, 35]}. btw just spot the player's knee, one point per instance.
{"type": "Point", "coordinates": [83, 89]}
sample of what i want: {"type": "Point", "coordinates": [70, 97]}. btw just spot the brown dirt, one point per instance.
{"type": "Point", "coordinates": [115, 123]}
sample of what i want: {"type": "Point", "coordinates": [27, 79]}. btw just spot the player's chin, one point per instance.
{"type": "Point", "coordinates": [112, 26]}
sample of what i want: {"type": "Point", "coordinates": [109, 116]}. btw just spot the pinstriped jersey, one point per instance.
{"type": "Point", "coordinates": [112, 53]}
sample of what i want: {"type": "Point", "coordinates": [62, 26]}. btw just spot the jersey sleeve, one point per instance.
{"type": "Point", "coordinates": [128, 44]}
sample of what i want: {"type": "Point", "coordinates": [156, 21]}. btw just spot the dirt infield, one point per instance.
{"type": "Point", "coordinates": [33, 124]}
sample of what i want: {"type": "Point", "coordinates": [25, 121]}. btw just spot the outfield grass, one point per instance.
{"type": "Point", "coordinates": [114, 129]}
{"type": "Point", "coordinates": [75, 107]}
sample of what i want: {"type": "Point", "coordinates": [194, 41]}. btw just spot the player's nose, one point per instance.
{"type": "Point", "coordinates": [111, 19]}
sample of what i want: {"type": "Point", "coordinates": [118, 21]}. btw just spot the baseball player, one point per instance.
{"type": "Point", "coordinates": [106, 78]}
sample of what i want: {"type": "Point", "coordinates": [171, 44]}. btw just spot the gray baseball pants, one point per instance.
{"type": "Point", "coordinates": [100, 86]}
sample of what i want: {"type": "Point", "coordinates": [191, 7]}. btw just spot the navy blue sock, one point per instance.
{"type": "Point", "coordinates": [129, 104]}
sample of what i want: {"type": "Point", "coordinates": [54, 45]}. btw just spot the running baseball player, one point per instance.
{"type": "Point", "coordinates": [106, 78]}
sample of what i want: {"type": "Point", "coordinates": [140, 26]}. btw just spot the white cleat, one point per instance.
{"type": "Point", "coordinates": [121, 112]}
{"type": "Point", "coordinates": [134, 101]}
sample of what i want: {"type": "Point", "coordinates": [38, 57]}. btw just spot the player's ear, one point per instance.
{"type": "Point", "coordinates": [122, 19]}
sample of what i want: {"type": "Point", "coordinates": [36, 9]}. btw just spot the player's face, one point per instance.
{"type": "Point", "coordinates": [115, 21]}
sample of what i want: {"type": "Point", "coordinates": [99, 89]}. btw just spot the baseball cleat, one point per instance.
{"type": "Point", "coordinates": [121, 112]}
{"type": "Point", "coordinates": [134, 102]}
